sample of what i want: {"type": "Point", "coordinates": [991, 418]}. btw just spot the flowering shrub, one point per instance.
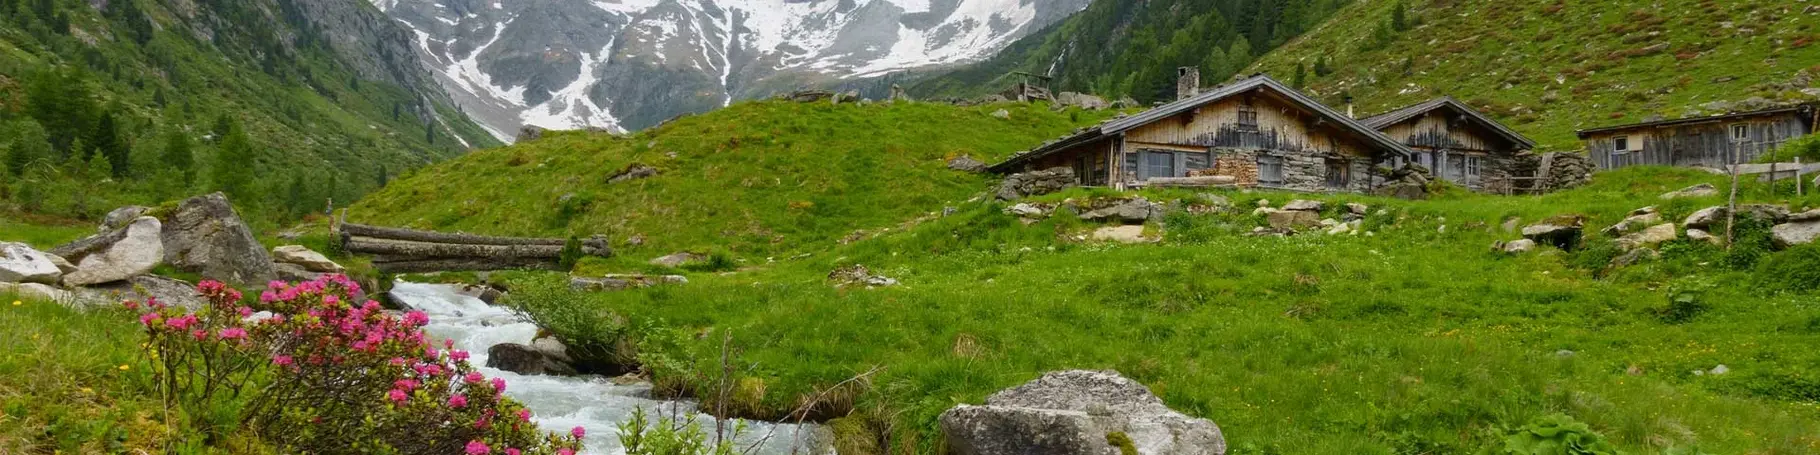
{"type": "Point", "coordinates": [309, 370]}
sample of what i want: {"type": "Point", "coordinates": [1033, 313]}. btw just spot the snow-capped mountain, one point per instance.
{"type": "Point", "coordinates": [629, 64]}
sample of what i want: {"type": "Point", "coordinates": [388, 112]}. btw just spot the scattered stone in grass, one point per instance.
{"type": "Point", "coordinates": [858, 275]}
{"type": "Point", "coordinates": [1561, 231]}
{"type": "Point", "coordinates": [1701, 190]}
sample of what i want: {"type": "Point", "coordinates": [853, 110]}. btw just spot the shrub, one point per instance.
{"type": "Point", "coordinates": [1794, 270]}
{"type": "Point", "coordinates": [1557, 434]}
{"type": "Point", "coordinates": [718, 261]}
{"type": "Point", "coordinates": [323, 375]}
{"type": "Point", "coordinates": [671, 437]}
{"type": "Point", "coordinates": [571, 253]}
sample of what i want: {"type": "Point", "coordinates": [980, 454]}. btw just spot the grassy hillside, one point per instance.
{"type": "Point", "coordinates": [1415, 339]}
{"type": "Point", "coordinates": [1548, 67]}
{"type": "Point", "coordinates": [326, 103]}
{"type": "Point", "coordinates": [1119, 48]}
{"type": "Point", "coordinates": [756, 179]}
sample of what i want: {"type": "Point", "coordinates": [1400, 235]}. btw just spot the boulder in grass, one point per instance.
{"type": "Point", "coordinates": [1648, 237]}
{"type": "Point", "coordinates": [204, 235]}
{"type": "Point", "coordinates": [136, 252]}
{"type": "Point", "coordinates": [308, 259]}
{"type": "Point", "coordinates": [1305, 205]}
{"type": "Point", "coordinates": [1561, 231]}
{"type": "Point", "coordinates": [1796, 233]}
{"type": "Point", "coordinates": [19, 263]}
{"type": "Point", "coordinates": [1701, 190]}
{"type": "Point", "coordinates": [1077, 412]}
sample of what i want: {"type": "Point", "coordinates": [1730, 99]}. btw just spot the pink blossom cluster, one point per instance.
{"type": "Point", "coordinates": [316, 331]}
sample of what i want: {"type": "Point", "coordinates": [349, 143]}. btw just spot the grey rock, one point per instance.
{"type": "Point", "coordinates": [1135, 210]}
{"type": "Point", "coordinates": [134, 254]}
{"type": "Point", "coordinates": [1798, 233]}
{"type": "Point", "coordinates": [205, 236]}
{"type": "Point", "coordinates": [1121, 234]}
{"type": "Point", "coordinates": [294, 272]}
{"type": "Point", "coordinates": [1704, 218]}
{"type": "Point", "coordinates": [62, 264]}
{"type": "Point", "coordinates": [1001, 113]}
{"type": "Point", "coordinates": [170, 291]}
{"type": "Point", "coordinates": [522, 359]}
{"type": "Point", "coordinates": [1810, 215]}
{"type": "Point", "coordinates": [118, 218]}
{"type": "Point", "coordinates": [1305, 205]}
{"type": "Point", "coordinates": [858, 275]}
{"type": "Point", "coordinates": [1081, 100]}
{"type": "Point", "coordinates": [965, 163]}
{"type": "Point", "coordinates": [633, 171]}
{"type": "Point", "coordinates": [1519, 246]}
{"type": "Point", "coordinates": [306, 258]}
{"type": "Point", "coordinates": [552, 348]}
{"type": "Point", "coordinates": [1072, 412]}
{"type": "Point", "coordinates": [36, 291]}
{"type": "Point", "coordinates": [1292, 219]}
{"type": "Point", "coordinates": [1702, 236]}
{"type": "Point", "coordinates": [527, 133]}
{"type": "Point", "coordinates": [1027, 210]}
{"type": "Point", "coordinates": [1633, 257]}
{"type": "Point", "coordinates": [1653, 235]}
{"type": "Point", "coordinates": [1561, 231]}
{"type": "Point", "coordinates": [19, 263]}
{"type": "Point", "coordinates": [1632, 223]}
{"type": "Point", "coordinates": [623, 282]}
{"type": "Point", "coordinates": [679, 259]}
{"type": "Point", "coordinates": [1034, 183]}
{"type": "Point", "coordinates": [1357, 208]}
{"type": "Point", "coordinates": [1701, 190]}
{"type": "Point", "coordinates": [1712, 217]}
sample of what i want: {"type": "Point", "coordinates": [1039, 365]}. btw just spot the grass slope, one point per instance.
{"type": "Point", "coordinates": [1549, 67]}
{"type": "Point", "coordinates": [1414, 340]}
{"type": "Point", "coordinates": [754, 179]}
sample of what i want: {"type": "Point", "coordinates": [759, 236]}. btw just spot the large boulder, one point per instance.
{"type": "Point", "coordinates": [1639, 218]}
{"type": "Point", "coordinates": [1561, 231]}
{"type": "Point", "coordinates": [522, 359]}
{"type": "Point", "coordinates": [204, 235]}
{"type": "Point", "coordinates": [1714, 217]}
{"type": "Point", "coordinates": [294, 273]}
{"type": "Point", "coordinates": [1025, 184]}
{"type": "Point", "coordinates": [1121, 234]}
{"type": "Point", "coordinates": [1796, 233]}
{"type": "Point", "coordinates": [1134, 210]}
{"type": "Point", "coordinates": [121, 216]}
{"type": "Point", "coordinates": [36, 291]}
{"type": "Point", "coordinates": [1653, 235]}
{"type": "Point", "coordinates": [1292, 219]}
{"type": "Point", "coordinates": [138, 250]}
{"type": "Point", "coordinates": [19, 263]}
{"type": "Point", "coordinates": [170, 291]}
{"type": "Point", "coordinates": [1305, 205]}
{"type": "Point", "coordinates": [306, 258]}
{"type": "Point", "coordinates": [1077, 413]}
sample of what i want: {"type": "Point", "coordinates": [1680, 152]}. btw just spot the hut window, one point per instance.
{"type": "Point", "coordinates": [1620, 144]}
{"type": "Point", "coordinates": [1248, 118]}
{"type": "Point", "coordinates": [1159, 164]}
{"type": "Point", "coordinates": [1473, 168]}
{"type": "Point", "coordinates": [1270, 169]}
{"type": "Point", "coordinates": [1740, 133]}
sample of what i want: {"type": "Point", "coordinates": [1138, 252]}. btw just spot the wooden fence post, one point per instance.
{"type": "Point", "coordinates": [1799, 190]}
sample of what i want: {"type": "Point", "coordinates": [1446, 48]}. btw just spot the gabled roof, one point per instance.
{"type": "Point", "coordinates": [1799, 108]}
{"type": "Point", "coordinates": [1386, 119]}
{"type": "Point", "coordinates": [1121, 125]}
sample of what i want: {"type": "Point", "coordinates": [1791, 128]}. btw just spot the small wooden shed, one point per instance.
{"type": "Point", "coordinates": [1712, 141]}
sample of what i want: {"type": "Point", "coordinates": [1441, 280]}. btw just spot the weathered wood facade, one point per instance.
{"type": "Point", "coordinates": [1714, 141]}
{"type": "Point", "coordinates": [1257, 131]}
{"type": "Point", "coordinates": [1457, 142]}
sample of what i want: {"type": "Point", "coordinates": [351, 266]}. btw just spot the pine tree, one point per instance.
{"type": "Point", "coordinates": [178, 155]}
{"type": "Point", "coordinates": [1321, 68]}
{"type": "Point", "coordinates": [383, 178]}
{"type": "Point", "coordinates": [107, 143]}
{"type": "Point", "coordinates": [30, 146]}
{"type": "Point", "coordinates": [1399, 20]}
{"type": "Point", "coordinates": [1301, 76]}
{"type": "Point", "coordinates": [232, 171]}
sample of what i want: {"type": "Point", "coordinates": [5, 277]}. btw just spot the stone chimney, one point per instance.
{"type": "Point", "coordinates": [1187, 82]}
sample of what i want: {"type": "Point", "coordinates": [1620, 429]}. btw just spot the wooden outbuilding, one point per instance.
{"type": "Point", "coordinates": [1257, 131]}
{"type": "Point", "coordinates": [1455, 141]}
{"type": "Point", "coordinates": [1713, 141]}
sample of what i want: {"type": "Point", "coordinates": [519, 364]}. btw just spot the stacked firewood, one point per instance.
{"type": "Point", "coordinates": [397, 250]}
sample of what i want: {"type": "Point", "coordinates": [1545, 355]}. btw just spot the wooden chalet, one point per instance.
{"type": "Point", "coordinates": [1258, 131]}
{"type": "Point", "coordinates": [1713, 141]}
{"type": "Point", "coordinates": [1456, 142]}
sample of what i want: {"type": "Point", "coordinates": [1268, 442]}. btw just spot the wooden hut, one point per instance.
{"type": "Point", "coordinates": [1257, 131]}
{"type": "Point", "coordinates": [1713, 141]}
{"type": "Point", "coordinates": [1457, 142]}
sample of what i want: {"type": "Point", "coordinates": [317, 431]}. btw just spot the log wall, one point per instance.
{"type": "Point", "coordinates": [1708, 144]}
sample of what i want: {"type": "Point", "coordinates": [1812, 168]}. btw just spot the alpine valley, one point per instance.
{"type": "Point", "coordinates": [629, 64]}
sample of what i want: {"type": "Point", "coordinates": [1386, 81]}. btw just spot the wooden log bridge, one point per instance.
{"type": "Point", "coordinates": [398, 250]}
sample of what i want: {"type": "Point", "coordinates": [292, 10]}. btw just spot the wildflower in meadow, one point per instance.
{"type": "Point", "coordinates": [478, 448]}
{"type": "Point", "coordinates": [458, 401]}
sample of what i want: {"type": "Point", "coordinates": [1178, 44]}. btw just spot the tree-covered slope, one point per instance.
{"type": "Point", "coordinates": [317, 98]}
{"type": "Point", "coordinates": [754, 179]}
{"type": "Point", "coordinates": [1124, 48]}
{"type": "Point", "coordinates": [1549, 67]}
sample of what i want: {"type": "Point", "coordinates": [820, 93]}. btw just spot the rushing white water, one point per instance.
{"type": "Point", "coordinates": [560, 403]}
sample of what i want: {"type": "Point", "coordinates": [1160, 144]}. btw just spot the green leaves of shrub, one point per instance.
{"type": "Point", "coordinates": [1794, 270]}
{"type": "Point", "coordinates": [1557, 434]}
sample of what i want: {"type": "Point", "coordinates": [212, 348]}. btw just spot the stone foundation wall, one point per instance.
{"type": "Point", "coordinates": [1301, 171]}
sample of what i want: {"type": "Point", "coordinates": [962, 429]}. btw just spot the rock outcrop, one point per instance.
{"type": "Point", "coordinates": [170, 291]}
{"type": "Point", "coordinates": [19, 263]}
{"type": "Point", "coordinates": [1134, 210]}
{"type": "Point", "coordinates": [1561, 231]}
{"type": "Point", "coordinates": [522, 359]}
{"type": "Point", "coordinates": [633, 171]}
{"type": "Point", "coordinates": [1701, 190]}
{"type": "Point", "coordinates": [1409, 182]}
{"type": "Point", "coordinates": [1649, 237]}
{"type": "Point", "coordinates": [1033, 183]}
{"type": "Point", "coordinates": [134, 251]}
{"type": "Point", "coordinates": [858, 275]}
{"type": "Point", "coordinates": [305, 258]}
{"type": "Point", "coordinates": [1077, 413]}
{"type": "Point", "coordinates": [965, 163]}
{"type": "Point", "coordinates": [204, 235]}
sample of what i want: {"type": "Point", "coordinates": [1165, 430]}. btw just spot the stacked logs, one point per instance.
{"type": "Point", "coordinates": [397, 250]}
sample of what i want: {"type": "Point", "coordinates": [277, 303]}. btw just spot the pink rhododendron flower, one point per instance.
{"type": "Point", "coordinates": [458, 355]}
{"type": "Point", "coordinates": [565, 451]}
{"type": "Point", "coordinates": [200, 334]}
{"type": "Point", "coordinates": [244, 311]}
{"type": "Point", "coordinates": [233, 333]}
{"type": "Point", "coordinates": [458, 401]}
{"type": "Point", "coordinates": [281, 360]}
{"type": "Point", "coordinates": [148, 318]}
{"type": "Point", "coordinates": [131, 305]}
{"type": "Point", "coordinates": [478, 448]}
{"type": "Point", "coordinates": [397, 395]}
{"type": "Point", "coordinates": [524, 414]}
{"type": "Point", "coordinates": [511, 451]}
{"type": "Point", "coordinates": [416, 318]}
{"type": "Point", "coordinates": [499, 385]}
{"type": "Point", "coordinates": [474, 377]}
{"type": "Point", "coordinates": [579, 432]}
